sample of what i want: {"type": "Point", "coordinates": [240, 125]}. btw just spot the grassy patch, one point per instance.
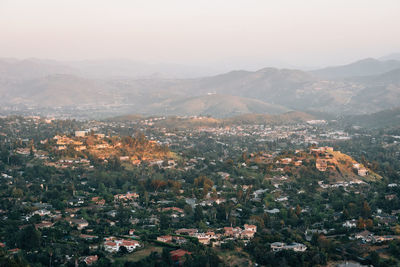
{"type": "Point", "coordinates": [141, 254]}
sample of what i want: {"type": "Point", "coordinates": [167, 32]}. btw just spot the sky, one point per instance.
{"type": "Point", "coordinates": [231, 34]}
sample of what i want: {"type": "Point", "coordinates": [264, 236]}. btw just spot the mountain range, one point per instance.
{"type": "Point", "coordinates": [365, 86]}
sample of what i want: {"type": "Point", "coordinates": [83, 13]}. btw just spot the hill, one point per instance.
{"type": "Point", "coordinates": [217, 106]}
{"type": "Point", "coordinates": [393, 56]}
{"type": "Point", "coordinates": [206, 121]}
{"type": "Point", "coordinates": [344, 168]}
{"type": "Point", "coordinates": [266, 91]}
{"type": "Point", "coordinates": [364, 67]}
{"type": "Point", "coordinates": [17, 70]}
{"type": "Point", "coordinates": [286, 118]}
{"type": "Point", "coordinates": [383, 119]}
{"type": "Point", "coordinates": [57, 90]}
{"type": "Point", "coordinates": [322, 163]}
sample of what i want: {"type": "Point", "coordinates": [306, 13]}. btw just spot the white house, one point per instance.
{"type": "Point", "coordinates": [114, 245]}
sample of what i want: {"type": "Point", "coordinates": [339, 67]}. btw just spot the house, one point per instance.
{"type": "Point", "coordinates": [273, 211]}
{"type": "Point", "coordinates": [297, 247]}
{"type": "Point", "coordinates": [173, 209]}
{"type": "Point", "coordinates": [130, 244]}
{"type": "Point", "coordinates": [78, 201]}
{"type": "Point", "coordinates": [323, 149]}
{"type": "Point", "coordinates": [365, 236]}
{"type": "Point", "coordinates": [98, 201]}
{"type": "Point", "coordinates": [298, 163]}
{"type": "Point", "coordinates": [165, 238]}
{"type": "Point", "coordinates": [383, 238]}
{"type": "Point", "coordinates": [232, 232]}
{"type": "Point", "coordinates": [114, 245]}
{"type": "Point", "coordinates": [247, 234]}
{"type": "Point", "coordinates": [350, 224]}
{"type": "Point", "coordinates": [250, 227]}
{"type": "Point", "coordinates": [179, 240]}
{"type": "Point", "coordinates": [205, 240]}
{"type": "Point", "coordinates": [281, 199]}
{"type": "Point", "coordinates": [44, 224]}
{"type": "Point", "coordinates": [286, 161]}
{"type": "Point", "coordinates": [111, 246]}
{"type": "Point", "coordinates": [277, 246]}
{"type": "Point", "coordinates": [127, 196]}
{"type": "Point", "coordinates": [362, 172]}
{"type": "Point", "coordinates": [176, 255]}
{"type": "Point", "coordinates": [80, 133]}
{"type": "Point", "coordinates": [41, 212]}
{"type": "Point", "coordinates": [80, 148]}
{"type": "Point", "coordinates": [390, 197]}
{"type": "Point", "coordinates": [80, 223]}
{"type": "Point", "coordinates": [220, 200]}
{"type": "Point", "coordinates": [321, 165]}
{"type": "Point", "coordinates": [387, 219]}
{"type": "Point", "coordinates": [14, 250]}
{"type": "Point", "coordinates": [89, 260]}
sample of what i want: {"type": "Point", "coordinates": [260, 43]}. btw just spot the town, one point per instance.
{"type": "Point", "coordinates": [197, 193]}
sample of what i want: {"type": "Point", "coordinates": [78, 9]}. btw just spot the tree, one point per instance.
{"type": "Point", "coordinates": [164, 221]}
{"type": "Point", "coordinates": [298, 210]}
{"type": "Point", "coordinates": [29, 238]}
{"type": "Point", "coordinates": [198, 213]}
{"type": "Point", "coordinates": [166, 256]}
{"type": "Point", "coordinates": [366, 210]}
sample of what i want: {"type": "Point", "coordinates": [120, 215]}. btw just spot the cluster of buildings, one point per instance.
{"type": "Point", "coordinates": [206, 238]}
{"type": "Point", "coordinates": [369, 237]}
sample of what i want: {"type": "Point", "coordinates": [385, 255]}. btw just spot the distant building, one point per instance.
{"type": "Point", "coordinates": [278, 246]}
{"type": "Point", "coordinates": [321, 165]}
{"type": "Point", "coordinates": [362, 172]}
{"type": "Point", "coordinates": [89, 260]}
{"type": "Point", "coordinates": [365, 236]}
{"type": "Point", "coordinates": [114, 245]}
{"type": "Point", "coordinates": [80, 223]}
{"type": "Point", "coordinates": [165, 238]}
{"type": "Point", "coordinates": [80, 133]}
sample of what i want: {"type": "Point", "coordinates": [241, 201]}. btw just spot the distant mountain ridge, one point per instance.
{"type": "Point", "coordinates": [267, 91]}
{"type": "Point", "coordinates": [364, 67]}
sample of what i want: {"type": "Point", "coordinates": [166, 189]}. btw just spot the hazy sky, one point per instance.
{"type": "Point", "coordinates": [234, 33]}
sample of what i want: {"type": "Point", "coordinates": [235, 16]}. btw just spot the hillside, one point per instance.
{"type": "Point", "coordinates": [323, 163]}
{"type": "Point", "coordinates": [382, 119]}
{"type": "Point", "coordinates": [134, 150]}
{"type": "Point", "coordinates": [344, 169]}
{"type": "Point", "coordinates": [287, 118]}
{"type": "Point", "coordinates": [205, 121]}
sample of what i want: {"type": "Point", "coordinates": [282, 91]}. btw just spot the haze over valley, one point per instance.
{"type": "Point", "coordinates": [366, 86]}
